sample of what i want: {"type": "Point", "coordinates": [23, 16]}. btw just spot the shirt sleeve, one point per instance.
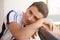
{"type": "Point", "coordinates": [16, 17]}
{"type": "Point", "coordinates": [12, 17]}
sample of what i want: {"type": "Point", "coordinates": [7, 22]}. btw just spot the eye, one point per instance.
{"type": "Point", "coordinates": [31, 12]}
{"type": "Point", "coordinates": [35, 17]}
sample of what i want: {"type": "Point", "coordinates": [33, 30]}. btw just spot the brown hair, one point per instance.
{"type": "Point", "coordinates": [42, 7]}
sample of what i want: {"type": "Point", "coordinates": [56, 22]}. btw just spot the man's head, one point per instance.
{"type": "Point", "coordinates": [36, 11]}
{"type": "Point", "coordinates": [42, 7]}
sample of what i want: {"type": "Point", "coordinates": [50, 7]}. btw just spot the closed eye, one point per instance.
{"type": "Point", "coordinates": [31, 12]}
{"type": "Point", "coordinates": [35, 17]}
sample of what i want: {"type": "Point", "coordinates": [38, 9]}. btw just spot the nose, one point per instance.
{"type": "Point", "coordinates": [30, 18]}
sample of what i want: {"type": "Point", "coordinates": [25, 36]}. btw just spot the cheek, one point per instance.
{"type": "Point", "coordinates": [33, 20]}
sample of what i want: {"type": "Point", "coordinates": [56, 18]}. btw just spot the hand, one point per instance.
{"type": "Point", "coordinates": [48, 24]}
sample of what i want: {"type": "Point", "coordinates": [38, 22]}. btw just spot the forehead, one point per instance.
{"type": "Point", "coordinates": [36, 12]}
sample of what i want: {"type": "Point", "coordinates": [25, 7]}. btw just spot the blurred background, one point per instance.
{"type": "Point", "coordinates": [22, 5]}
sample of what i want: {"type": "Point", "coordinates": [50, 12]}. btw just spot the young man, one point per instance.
{"type": "Point", "coordinates": [24, 26]}
{"type": "Point", "coordinates": [36, 11]}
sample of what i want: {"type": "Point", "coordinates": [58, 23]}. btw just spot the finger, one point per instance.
{"type": "Point", "coordinates": [46, 27]}
{"type": "Point", "coordinates": [51, 27]}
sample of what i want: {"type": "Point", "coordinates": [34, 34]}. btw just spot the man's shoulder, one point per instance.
{"type": "Point", "coordinates": [15, 12]}
{"type": "Point", "coordinates": [18, 11]}
{"type": "Point", "coordinates": [14, 16]}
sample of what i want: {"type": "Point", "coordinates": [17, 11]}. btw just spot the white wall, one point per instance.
{"type": "Point", "coordinates": [54, 10]}
{"type": "Point", "coordinates": [1, 13]}
{"type": "Point", "coordinates": [54, 7]}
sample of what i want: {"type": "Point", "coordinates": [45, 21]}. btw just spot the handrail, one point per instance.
{"type": "Point", "coordinates": [47, 35]}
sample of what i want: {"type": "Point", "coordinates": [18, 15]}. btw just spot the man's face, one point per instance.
{"type": "Point", "coordinates": [31, 15]}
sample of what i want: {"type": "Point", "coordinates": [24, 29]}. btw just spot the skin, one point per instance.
{"type": "Point", "coordinates": [33, 20]}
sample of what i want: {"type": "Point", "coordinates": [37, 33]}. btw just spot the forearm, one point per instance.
{"type": "Point", "coordinates": [23, 33]}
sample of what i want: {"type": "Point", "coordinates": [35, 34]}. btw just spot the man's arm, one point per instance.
{"type": "Point", "coordinates": [23, 33]}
